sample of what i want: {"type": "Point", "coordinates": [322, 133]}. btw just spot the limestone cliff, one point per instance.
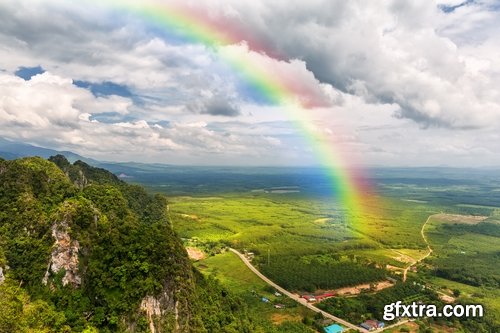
{"type": "Point", "coordinates": [161, 307]}
{"type": "Point", "coordinates": [2, 277]}
{"type": "Point", "coordinates": [105, 249]}
{"type": "Point", "coordinates": [64, 255]}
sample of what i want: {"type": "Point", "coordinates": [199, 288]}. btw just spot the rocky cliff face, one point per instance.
{"type": "Point", "coordinates": [153, 309]}
{"type": "Point", "coordinates": [159, 307]}
{"type": "Point", "coordinates": [2, 277]}
{"type": "Point", "coordinates": [76, 226]}
{"type": "Point", "coordinates": [64, 255]}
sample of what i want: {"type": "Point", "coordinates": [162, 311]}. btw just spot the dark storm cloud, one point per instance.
{"type": "Point", "coordinates": [404, 52]}
{"type": "Point", "coordinates": [216, 106]}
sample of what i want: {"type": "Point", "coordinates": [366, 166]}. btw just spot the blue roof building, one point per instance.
{"type": "Point", "coordinates": [334, 329]}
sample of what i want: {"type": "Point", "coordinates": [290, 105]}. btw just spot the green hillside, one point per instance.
{"type": "Point", "coordinates": [80, 250]}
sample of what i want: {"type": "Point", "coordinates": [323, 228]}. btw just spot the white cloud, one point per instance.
{"type": "Point", "coordinates": [50, 110]}
{"type": "Point", "coordinates": [379, 77]}
{"type": "Point", "coordinates": [410, 53]}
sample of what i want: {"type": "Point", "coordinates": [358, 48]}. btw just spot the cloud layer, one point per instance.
{"type": "Point", "coordinates": [440, 67]}
{"type": "Point", "coordinates": [385, 83]}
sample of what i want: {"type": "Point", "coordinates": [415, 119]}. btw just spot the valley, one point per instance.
{"type": "Point", "coordinates": [301, 241]}
{"type": "Point", "coordinates": [279, 260]}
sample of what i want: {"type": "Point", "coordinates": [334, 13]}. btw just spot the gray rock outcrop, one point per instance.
{"type": "Point", "coordinates": [64, 256]}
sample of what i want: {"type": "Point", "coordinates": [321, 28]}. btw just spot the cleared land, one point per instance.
{"type": "Point", "coordinates": [356, 290]}
{"type": "Point", "coordinates": [195, 254]}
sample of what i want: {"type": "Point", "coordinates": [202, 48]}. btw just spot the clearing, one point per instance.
{"type": "Point", "coordinates": [356, 290]}
{"type": "Point", "coordinates": [195, 254]}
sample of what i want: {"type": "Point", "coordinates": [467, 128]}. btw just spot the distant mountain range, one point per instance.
{"type": "Point", "coordinates": [10, 150]}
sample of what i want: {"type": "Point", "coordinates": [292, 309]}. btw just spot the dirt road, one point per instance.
{"type": "Point", "coordinates": [429, 249]}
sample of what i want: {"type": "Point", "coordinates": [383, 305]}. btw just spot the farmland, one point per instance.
{"type": "Point", "coordinates": [301, 238]}
{"type": "Point", "coordinates": [290, 245]}
{"type": "Point", "coordinates": [239, 280]}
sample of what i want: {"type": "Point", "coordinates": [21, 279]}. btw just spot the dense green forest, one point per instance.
{"type": "Point", "coordinates": [82, 250]}
{"type": "Point", "coordinates": [292, 273]}
{"type": "Point", "coordinates": [475, 270]}
{"type": "Point", "coordinates": [467, 253]}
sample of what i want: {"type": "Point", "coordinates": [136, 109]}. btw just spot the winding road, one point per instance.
{"type": "Point", "coordinates": [429, 249]}
{"type": "Point", "coordinates": [305, 303]}
{"type": "Point", "coordinates": [296, 297]}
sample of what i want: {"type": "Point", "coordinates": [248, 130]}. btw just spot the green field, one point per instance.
{"type": "Point", "coordinates": [302, 239]}
{"type": "Point", "coordinates": [290, 232]}
{"type": "Point", "coordinates": [488, 296]}
{"type": "Point", "coordinates": [241, 282]}
{"type": "Point", "coordinates": [465, 261]}
{"type": "Point", "coordinates": [465, 251]}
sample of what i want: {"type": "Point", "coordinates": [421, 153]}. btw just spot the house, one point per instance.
{"type": "Point", "coordinates": [279, 306]}
{"type": "Point", "coordinates": [277, 294]}
{"type": "Point", "coordinates": [323, 296]}
{"type": "Point", "coordinates": [366, 326]}
{"type": "Point", "coordinates": [335, 328]}
{"type": "Point", "coordinates": [265, 300]}
{"type": "Point", "coordinates": [309, 298]}
{"type": "Point", "coordinates": [371, 325]}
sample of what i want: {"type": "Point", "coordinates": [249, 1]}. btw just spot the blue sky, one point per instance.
{"type": "Point", "coordinates": [405, 82]}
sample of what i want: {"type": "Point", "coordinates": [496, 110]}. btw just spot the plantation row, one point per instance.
{"type": "Point", "coordinates": [292, 274]}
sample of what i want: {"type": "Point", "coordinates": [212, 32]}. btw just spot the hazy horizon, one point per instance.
{"type": "Point", "coordinates": [312, 166]}
{"type": "Point", "coordinates": [386, 84]}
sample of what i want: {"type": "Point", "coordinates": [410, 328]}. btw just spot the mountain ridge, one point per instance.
{"type": "Point", "coordinates": [92, 253]}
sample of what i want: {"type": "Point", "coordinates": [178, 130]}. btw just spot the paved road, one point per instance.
{"type": "Point", "coordinates": [296, 297]}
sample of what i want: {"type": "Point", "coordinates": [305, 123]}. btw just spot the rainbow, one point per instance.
{"type": "Point", "coordinates": [194, 26]}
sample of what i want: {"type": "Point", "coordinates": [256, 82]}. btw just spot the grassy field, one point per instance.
{"type": "Point", "coordinates": [466, 253]}
{"type": "Point", "coordinates": [297, 229]}
{"type": "Point", "coordinates": [488, 296]}
{"type": "Point", "coordinates": [234, 275]}
{"type": "Point", "coordinates": [288, 217]}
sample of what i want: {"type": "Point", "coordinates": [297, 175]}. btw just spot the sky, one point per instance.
{"type": "Point", "coordinates": [399, 83]}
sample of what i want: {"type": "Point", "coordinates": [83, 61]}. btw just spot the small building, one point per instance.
{"type": "Point", "coordinates": [335, 328]}
{"type": "Point", "coordinates": [265, 300]}
{"type": "Point", "coordinates": [367, 326]}
{"type": "Point", "coordinates": [372, 325]}
{"type": "Point", "coordinates": [277, 294]}
{"type": "Point", "coordinates": [309, 298]}
{"type": "Point", "coordinates": [323, 296]}
{"type": "Point", "coordinates": [279, 306]}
